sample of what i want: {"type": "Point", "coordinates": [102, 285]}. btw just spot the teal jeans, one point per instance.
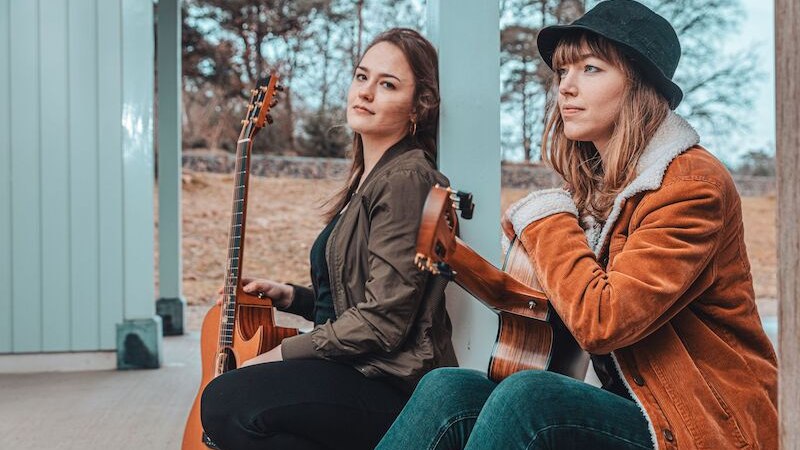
{"type": "Point", "coordinates": [462, 409]}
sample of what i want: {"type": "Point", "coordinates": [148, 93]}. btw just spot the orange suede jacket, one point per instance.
{"type": "Point", "coordinates": [664, 286]}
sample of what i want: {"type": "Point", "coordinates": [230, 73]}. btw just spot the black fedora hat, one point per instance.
{"type": "Point", "coordinates": [641, 34]}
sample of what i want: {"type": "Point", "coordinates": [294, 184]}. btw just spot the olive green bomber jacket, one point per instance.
{"type": "Point", "coordinates": [391, 317]}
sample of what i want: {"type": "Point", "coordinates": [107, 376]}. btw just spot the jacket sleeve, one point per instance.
{"type": "Point", "coordinates": [676, 233]}
{"type": "Point", "coordinates": [381, 320]}
{"type": "Point", "coordinates": [302, 302]}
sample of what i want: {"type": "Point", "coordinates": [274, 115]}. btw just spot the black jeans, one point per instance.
{"type": "Point", "coordinates": [298, 405]}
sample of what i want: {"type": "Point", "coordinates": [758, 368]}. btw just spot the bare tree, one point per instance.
{"type": "Point", "coordinates": [524, 76]}
{"type": "Point", "coordinates": [716, 85]}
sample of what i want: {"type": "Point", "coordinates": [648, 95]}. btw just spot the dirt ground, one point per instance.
{"type": "Point", "coordinates": [284, 218]}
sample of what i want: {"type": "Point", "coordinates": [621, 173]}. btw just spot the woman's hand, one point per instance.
{"type": "Point", "coordinates": [508, 228]}
{"type": "Point", "coordinates": [281, 294]}
{"type": "Point", "coordinates": [270, 356]}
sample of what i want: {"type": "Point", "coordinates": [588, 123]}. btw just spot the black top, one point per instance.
{"type": "Point", "coordinates": [323, 304]}
{"type": "Point", "coordinates": [608, 375]}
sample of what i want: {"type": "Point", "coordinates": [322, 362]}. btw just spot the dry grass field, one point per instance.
{"type": "Point", "coordinates": [284, 219]}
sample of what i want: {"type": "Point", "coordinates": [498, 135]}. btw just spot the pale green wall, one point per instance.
{"type": "Point", "coordinates": [76, 171]}
{"type": "Point", "coordinates": [467, 35]}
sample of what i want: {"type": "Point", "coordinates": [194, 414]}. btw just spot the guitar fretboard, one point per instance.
{"type": "Point", "coordinates": [235, 243]}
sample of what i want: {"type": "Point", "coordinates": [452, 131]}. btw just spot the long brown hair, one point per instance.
{"type": "Point", "coordinates": [592, 185]}
{"type": "Point", "coordinates": [421, 56]}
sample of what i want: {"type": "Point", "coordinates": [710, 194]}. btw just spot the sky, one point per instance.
{"type": "Point", "coordinates": [758, 28]}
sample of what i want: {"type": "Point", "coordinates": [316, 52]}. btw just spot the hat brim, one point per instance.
{"type": "Point", "coordinates": [549, 37]}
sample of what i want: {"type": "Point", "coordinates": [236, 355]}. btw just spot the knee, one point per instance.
{"type": "Point", "coordinates": [447, 391]}
{"type": "Point", "coordinates": [529, 391]}
{"type": "Point", "coordinates": [216, 409]}
{"type": "Point", "coordinates": [448, 381]}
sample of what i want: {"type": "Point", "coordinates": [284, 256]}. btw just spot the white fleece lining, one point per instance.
{"type": "Point", "coordinates": [672, 138]}
{"type": "Point", "coordinates": [539, 204]}
{"type": "Point", "coordinates": [535, 206]}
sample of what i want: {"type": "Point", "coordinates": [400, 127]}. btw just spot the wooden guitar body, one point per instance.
{"type": "Point", "coordinates": [249, 341]}
{"type": "Point", "coordinates": [528, 341]}
{"type": "Point", "coordinates": [530, 334]}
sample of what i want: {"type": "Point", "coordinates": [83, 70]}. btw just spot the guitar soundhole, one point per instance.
{"type": "Point", "coordinates": [439, 250]}
{"type": "Point", "coordinates": [230, 360]}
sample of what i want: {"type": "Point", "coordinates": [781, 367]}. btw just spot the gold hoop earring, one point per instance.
{"type": "Point", "coordinates": [413, 128]}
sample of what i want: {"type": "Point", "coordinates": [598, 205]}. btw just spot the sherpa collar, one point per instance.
{"type": "Point", "coordinates": [672, 138]}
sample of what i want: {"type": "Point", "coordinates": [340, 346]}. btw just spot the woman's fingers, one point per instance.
{"type": "Point", "coordinates": [508, 228]}
{"type": "Point", "coordinates": [266, 287]}
{"type": "Point", "coordinates": [253, 286]}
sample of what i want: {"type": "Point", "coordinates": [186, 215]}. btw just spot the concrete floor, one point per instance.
{"type": "Point", "coordinates": [119, 410]}
{"type": "Point", "coordinates": [103, 410]}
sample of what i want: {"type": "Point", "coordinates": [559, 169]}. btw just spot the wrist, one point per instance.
{"type": "Point", "coordinates": [288, 297]}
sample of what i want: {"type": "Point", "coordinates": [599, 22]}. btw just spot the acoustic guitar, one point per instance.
{"type": "Point", "coordinates": [530, 334]}
{"type": "Point", "coordinates": [243, 326]}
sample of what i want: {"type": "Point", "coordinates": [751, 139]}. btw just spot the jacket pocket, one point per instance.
{"type": "Point", "coordinates": [733, 425]}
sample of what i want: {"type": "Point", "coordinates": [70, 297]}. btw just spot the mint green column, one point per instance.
{"type": "Point", "coordinates": [6, 289]}
{"type": "Point", "coordinates": [467, 35]}
{"type": "Point", "coordinates": [139, 336]}
{"type": "Point", "coordinates": [170, 305]}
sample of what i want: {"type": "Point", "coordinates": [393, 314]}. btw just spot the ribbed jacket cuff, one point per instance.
{"type": "Point", "coordinates": [299, 347]}
{"type": "Point", "coordinates": [538, 205]}
{"type": "Point", "coordinates": [302, 302]}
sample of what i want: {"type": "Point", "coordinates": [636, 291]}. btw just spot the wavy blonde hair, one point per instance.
{"type": "Point", "coordinates": [593, 185]}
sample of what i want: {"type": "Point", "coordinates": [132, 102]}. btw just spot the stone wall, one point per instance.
{"type": "Point", "coordinates": [515, 175]}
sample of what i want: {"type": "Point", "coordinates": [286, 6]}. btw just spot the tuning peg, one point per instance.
{"type": "Point", "coordinates": [269, 119]}
{"type": "Point", "coordinates": [244, 122]}
{"type": "Point", "coordinates": [253, 92]}
{"type": "Point", "coordinates": [445, 271]}
{"type": "Point", "coordinates": [273, 102]}
{"type": "Point", "coordinates": [279, 87]}
{"type": "Point", "coordinates": [464, 203]}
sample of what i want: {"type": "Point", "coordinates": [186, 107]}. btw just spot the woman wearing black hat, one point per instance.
{"type": "Point", "coordinates": [642, 257]}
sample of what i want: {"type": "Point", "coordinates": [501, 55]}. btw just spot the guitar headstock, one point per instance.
{"type": "Point", "coordinates": [436, 239]}
{"type": "Point", "coordinates": [262, 99]}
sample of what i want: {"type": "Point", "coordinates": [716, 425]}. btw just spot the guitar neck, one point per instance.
{"type": "Point", "coordinates": [493, 287]}
{"type": "Point", "coordinates": [236, 235]}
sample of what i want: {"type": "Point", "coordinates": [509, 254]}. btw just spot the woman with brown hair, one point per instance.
{"type": "Point", "coordinates": [642, 257]}
{"type": "Point", "coordinates": [380, 323]}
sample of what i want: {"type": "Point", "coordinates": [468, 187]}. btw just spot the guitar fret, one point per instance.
{"type": "Point", "coordinates": [223, 359]}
